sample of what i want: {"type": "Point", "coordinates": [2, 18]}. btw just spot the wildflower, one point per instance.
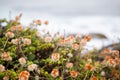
{"type": "Point", "coordinates": [22, 61]}
{"type": "Point", "coordinates": [13, 28]}
{"type": "Point", "coordinates": [115, 53]}
{"type": "Point", "coordinates": [83, 42]}
{"type": "Point", "coordinates": [32, 67]}
{"type": "Point", "coordinates": [102, 73]}
{"type": "Point", "coordinates": [48, 39]}
{"type": "Point", "coordinates": [27, 41]}
{"type": "Point", "coordinates": [9, 34]}
{"type": "Point", "coordinates": [73, 74]}
{"type": "Point", "coordinates": [19, 28]}
{"type": "Point", "coordinates": [55, 73]}
{"type": "Point", "coordinates": [17, 18]}
{"type": "Point", "coordinates": [37, 78]}
{"type": "Point", "coordinates": [69, 40]}
{"type": "Point", "coordinates": [94, 78]}
{"type": "Point", "coordinates": [6, 77]}
{"type": "Point", "coordinates": [24, 75]}
{"type": "Point", "coordinates": [2, 68]}
{"type": "Point", "coordinates": [61, 42]}
{"type": "Point", "coordinates": [38, 34]}
{"type": "Point", "coordinates": [88, 67]}
{"type": "Point", "coordinates": [69, 65]}
{"type": "Point", "coordinates": [15, 41]}
{"type": "Point", "coordinates": [38, 22]}
{"type": "Point", "coordinates": [75, 46]}
{"type": "Point", "coordinates": [106, 51]}
{"type": "Point", "coordinates": [89, 60]}
{"type": "Point", "coordinates": [70, 55]}
{"type": "Point", "coordinates": [88, 37]}
{"type": "Point", "coordinates": [78, 36]}
{"type": "Point", "coordinates": [111, 62]}
{"type": "Point", "coordinates": [55, 56]}
{"type": "Point", "coordinates": [6, 56]}
{"type": "Point", "coordinates": [46, 22]}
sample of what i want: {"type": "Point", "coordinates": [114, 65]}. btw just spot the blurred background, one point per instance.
{"type": "Point", "coordinates": [71, 16]}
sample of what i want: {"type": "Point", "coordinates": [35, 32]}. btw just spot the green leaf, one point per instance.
{"type": "Point", "coordinates": [31, 57]}
{"type": "Point", "coordinates": [36, 61]}
{"type": "Point", "coordinates": [2, 75]}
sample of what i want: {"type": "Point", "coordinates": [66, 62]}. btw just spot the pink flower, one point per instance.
{"type": "Point", "coordinates": [9, 34]}
{"type": "Point", "coordinates": [22, 61]}
{"type": "Point", "coordinates": [2, 68]}
{"type": "Point", "coordinates": [69, 65]}
{"type": "Point", "coordinates": [55, 56]}
{"type": "Point", "coordinates": [55, 73]}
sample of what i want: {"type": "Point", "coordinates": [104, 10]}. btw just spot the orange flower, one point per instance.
{"type": "Point", "coordinates": [22, 61]}
{"type": "Point", "coordinates": [115, 53]}
{"type": "Point", "coordinates": [48, 39]}
{"type": "Point", "coordinates": [88, 37]}
{"type": "Point", "coordinates": [75, 46]}
{"type": "Point", "coordinates": [61, 42]}
{"type": "Point", "coordinates": [15, 41]}
{"type": "Point", "coordinates": [88, 67]}
{"type": "Point", "coordinates": [24, 75]}
{"type": "Point", "coordinates": [19, 27]}
{"type": "Point", "coordinates": [9, 34]}
{"type": "Point", "coordinates": [69, 65]}
{"type": "Point", "coordinates": [7, 77]}
{"type": "Point", "coordinates": [13, 28]}
{"type": "Point", "coordinates": [73, 74]}
{"type": "Point", "coordinates": [6, 56]}
{"type": "Point", "coordinates": [111, 62]}
{"type": "Point", "coordinates": [83, 42]}
{"type": "Point", "coordinates": [17, 18]}
{"type": "Point", "coordinates": [38, 22]}
{"type": "Point", "coordinates": [2, 68]}
{"type": "Point", "coordinates": [94, 78]}
{"type": "Point", "coordinates": [55, 73]}
{"type": "Point", "coordinates": [106, 51]}
{"type": "Point", "coordinates": [69, 40]}
{"type": "Point", "coordinates": [46, 22]}
{"type": "Point", "coordinates": [55, 56]}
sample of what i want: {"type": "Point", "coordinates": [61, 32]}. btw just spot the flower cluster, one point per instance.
{"type": "Point", "coordinates": [29, 54]}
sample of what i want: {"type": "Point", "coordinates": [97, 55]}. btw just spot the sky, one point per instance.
{"type": "Point", "coordinates": [62, 7]}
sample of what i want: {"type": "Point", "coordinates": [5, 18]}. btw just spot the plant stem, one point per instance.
{"type": "Point", "coordinates": [85, 76]}
{"type": "Point", "coordinates": [5, 43]}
